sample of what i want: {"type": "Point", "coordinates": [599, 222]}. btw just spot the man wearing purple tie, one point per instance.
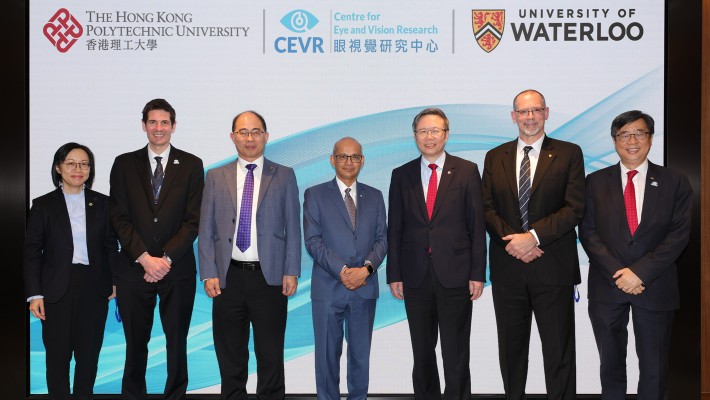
{"type": "Point", "coordinates": [250, 259]}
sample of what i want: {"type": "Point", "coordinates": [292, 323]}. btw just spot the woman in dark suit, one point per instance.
{"type": "Point", "coordinates": [70, 248]}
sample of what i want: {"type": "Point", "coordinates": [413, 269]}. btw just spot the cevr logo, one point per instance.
{"type": "Point", "coordinates": [299, 21]}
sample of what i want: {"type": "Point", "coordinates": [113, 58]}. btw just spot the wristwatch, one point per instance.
{"type": "Point", "coordinates": [370, 269]}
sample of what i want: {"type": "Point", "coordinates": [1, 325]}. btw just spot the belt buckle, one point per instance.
{"type": "Point", "coordinates": [249, 265]}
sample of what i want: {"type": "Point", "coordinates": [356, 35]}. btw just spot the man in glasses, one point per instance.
{"type": "Point", "coordinates": [636, 224]}
{"type": "Point", "coordinates": [533, 190]}
{"type": "Point", "coordinates": [436, 260]}
{"type": "Point", "coordinates": [155, 209]}
{"type": "Point", "coordinates": [345, 231]}
{"type": "Point", "coordinates": [250, 259]}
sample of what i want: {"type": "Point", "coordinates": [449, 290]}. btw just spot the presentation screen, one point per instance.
{"type": "Point", "coordinates": [319, 71]}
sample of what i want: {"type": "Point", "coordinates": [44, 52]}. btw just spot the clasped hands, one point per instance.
{"type": "Point", "coordinates": [155, 267]}
{"type": "Point", "coordinates": [354, 278]}
{"type": "Point", "coordinates": [629, 282]}
{"type": "Point", "coordinates": [523, 246]}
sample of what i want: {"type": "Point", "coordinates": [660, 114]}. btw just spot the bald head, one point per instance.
{"type": "Point", "coordinates": [346, 142]}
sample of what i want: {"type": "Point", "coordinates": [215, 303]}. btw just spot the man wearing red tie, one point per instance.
{"type": "Point", "coordinates": [636, 224]}
{"type": "Point", "coordinates": [436, 259]}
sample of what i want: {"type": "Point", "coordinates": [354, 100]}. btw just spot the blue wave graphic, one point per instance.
{"type": "Point", "coordinates": [387, 142]}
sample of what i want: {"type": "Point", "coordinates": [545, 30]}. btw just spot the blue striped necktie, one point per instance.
{"type": "Point", "coordinates": [524, 188]}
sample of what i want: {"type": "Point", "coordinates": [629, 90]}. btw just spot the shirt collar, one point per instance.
{"type": "Point", "coordinates": [439, 161]}
{"type": "Point", "coordinates": [165, 154]}
{"type": "Point", "coordinates": [641, 169]}
{"type": "Point", "coordinates": [536, 146]}
{"type": "Point", "coordinates": [259, 163]}
{"type": "Point", "coordinates": [342, 186]}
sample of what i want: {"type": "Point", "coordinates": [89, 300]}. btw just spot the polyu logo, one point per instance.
{"type": "Point", "coordinates": [299, 21]}
{"type": "Point", "coordinates": [488, 28]}
{"type": "Point", "coordinates": [63, 30]}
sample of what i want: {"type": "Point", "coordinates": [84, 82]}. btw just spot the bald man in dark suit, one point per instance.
{"type": "Point", "coordinates": [533, 190]}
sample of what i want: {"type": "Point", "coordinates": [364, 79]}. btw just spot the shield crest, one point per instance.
{"type": "Point", "coordinates": [488, 28]}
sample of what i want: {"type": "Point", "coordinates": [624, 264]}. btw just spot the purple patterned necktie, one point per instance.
{"type": "Point", "coordinates": [244, 230]}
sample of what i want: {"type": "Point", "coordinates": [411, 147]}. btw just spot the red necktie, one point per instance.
{"type": "Point", "coordinates": [630, 202]}
{"type": "Point", "coordinates": [431, 191]}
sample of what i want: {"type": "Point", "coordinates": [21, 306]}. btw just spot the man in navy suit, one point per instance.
{"type": "Point", "coordinates": [436, 258]}
{"type": "Point", "coordinates": [155, 210]}
{"type": "Point", "coordinates": [250, 259]}
{"type": "Point", "coordinates": [636, 224]}
{"type": "Point", "coordinates": [345, 230]}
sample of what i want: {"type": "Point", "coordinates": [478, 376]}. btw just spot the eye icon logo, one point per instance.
{"type": "Point", "coordinates": [299, 21]}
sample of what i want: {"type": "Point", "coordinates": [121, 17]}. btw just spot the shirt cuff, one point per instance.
{"type": "Point", "coordinates": [535, 236]}
{"type": "Point", "coordinates": [39, 296]}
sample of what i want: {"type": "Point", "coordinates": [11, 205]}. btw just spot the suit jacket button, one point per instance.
{"type": "Point", "coordinates": [155, 219]}
{"type": "Point", "coordinates": [352, 258]}
{"type": "Point", "coordinates": [431, 228]}
{"type": "Point", "coordinates": [234, 220]}
{"type": "Point", "coordinates": [155, 239]}
{"type": "Point", "coordinates": [229, 240]}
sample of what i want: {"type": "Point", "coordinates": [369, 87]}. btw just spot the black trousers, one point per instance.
{"type": "Point", "coordinates": [74, 325]}
{"type": "Point", "coordinates": [553, 307]}
{"type": "Point", "coordinates": [248, 299]}
{"type": "Point", "coordinates": [434, 310]}
{"type": "Point", "coordinates": [136, 303]}
{"type": "Point", "coordinates": [652, 332]}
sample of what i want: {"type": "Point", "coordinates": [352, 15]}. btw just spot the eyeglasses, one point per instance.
{"type": "Point", "coordinates": [434, 132]}
{"type": "Point", "coordinates": [163, 124]}
{"type": "Point", "coordinates": [72, 165]}
{"type": "Point", "coordinates": [244, 133]}
{"type": "Point", "coordinates": [343, 158]}
{"type": "Point", "coordinates": [536, 112]}
{"type": "Point", "coordinates": [638, 134]}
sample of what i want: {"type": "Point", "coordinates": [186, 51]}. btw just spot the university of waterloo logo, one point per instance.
{"type": "Point", "coordinates": [63, 30]}
{"type": "Point", "coordinates": [488, 28]}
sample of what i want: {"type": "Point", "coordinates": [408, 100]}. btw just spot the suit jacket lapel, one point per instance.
{"type": "Point", "coordinates": [650, 195]}
{"type": "Point", "coordinates": [91, 229]}
{"type": "Point", "coordinates": [447, 175]}
{"type": "Point", "coordinates": [544, 160]}
{"type": "Point", "coordinates": [415, 177]}
{"type": "Point", "coordinates": [339, 203]}
{"type": "Point", "coordinates": [230, 176]}
{"type": "Point", "coordinates": [267, 175]}
{"type": "Point", "coordinates": [616, 199]}
{"type": "Point", "coordinates": [145, 174]}
{"type": "Point", "coordinates": [171, 171]}
{"type": "Point", "coordinates": [510, 168]}
{"type": "Point", "coordinates": [64, 222]}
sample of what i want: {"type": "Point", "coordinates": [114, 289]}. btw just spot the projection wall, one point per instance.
{"type": "Point", "coordinates": [319, 71]}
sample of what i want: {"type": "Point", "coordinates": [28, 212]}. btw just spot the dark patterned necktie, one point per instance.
{"type": "Point", "coordinates": [244, 229]}
{"type": "Point", "coordinates": [524, 188]}
{"type": "Point", "coordinates": [157, 180]}
{"type": "Point", "coordinates": [350, 205]}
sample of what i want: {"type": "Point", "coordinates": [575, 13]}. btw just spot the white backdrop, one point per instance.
{"type": "Point", "coordinates": [318, 71]}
